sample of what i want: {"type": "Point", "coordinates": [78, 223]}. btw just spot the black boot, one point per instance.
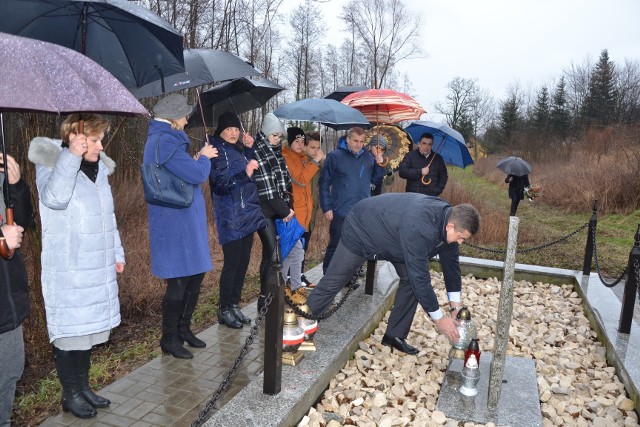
{"type": "Point", "coordinates": [235, 310]}
{"type": "Point", "coordinates": [184, 328]}
{"type": "Point", "coordinates": [226, 317]}
{"type": "Point", "coordinates": [72, 399]}
{"type": "Point", "coordinates": [84, 359]}
{"type": "Point", "coordinates": [169, 343]}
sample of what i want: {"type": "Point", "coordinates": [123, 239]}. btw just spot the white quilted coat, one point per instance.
{"type": "Point", "coordinates": [80, 242]}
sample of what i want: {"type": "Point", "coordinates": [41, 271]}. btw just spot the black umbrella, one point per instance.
{"type": "Point", "coordinates": [204, 66]}
{"type": "Point", "coordinates": [342, 91]}
{"type": "Point", "coordinates": [240, 96]}
{"type": "Point", "coordinates": [130, 41]}
{"type": "Point", "coordinates": [40, 76]}
{"type": "Point", "coordinates": [514, 166]}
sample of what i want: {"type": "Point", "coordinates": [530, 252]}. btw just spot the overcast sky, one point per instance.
{"type": "Point", "coordinates": [499, 42]}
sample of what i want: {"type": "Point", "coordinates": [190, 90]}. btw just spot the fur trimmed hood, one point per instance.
{"type": "Point", "coordinates": [45, 151]}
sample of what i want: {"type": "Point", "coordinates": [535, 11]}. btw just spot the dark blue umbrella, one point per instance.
{"type": "Point", "coordinates": [329, 112]}
{"type": "Point", "coordinates": [447, 142]}
{"type": "Point", "coordinates": [128, 40]}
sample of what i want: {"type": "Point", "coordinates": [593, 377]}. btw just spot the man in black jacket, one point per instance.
{"type": "Point", "coordinates": [14, 289]}
{"type": "Point", "coordinates": [424, 169]}
{"type": "Point", "coordinates": [405, 229]}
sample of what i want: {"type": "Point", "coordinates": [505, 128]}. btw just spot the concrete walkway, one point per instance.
{"type": "Point", "coordinates": [172, 392]}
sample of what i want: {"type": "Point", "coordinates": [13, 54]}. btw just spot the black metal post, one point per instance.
{"type": "Point", "coordinates": [588, 250]}
{"type": "Point", "coordinates": [371, 273]}
{"type": "Point", "coordinates": [273, 328]}
{"type": "Point", "coordinates": [630, 287]}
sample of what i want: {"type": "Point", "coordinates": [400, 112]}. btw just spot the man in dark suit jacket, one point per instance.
{"type": "Point", "coordinates": [407, 230]}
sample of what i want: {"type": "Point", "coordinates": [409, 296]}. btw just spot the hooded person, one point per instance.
{"type": "Point", "coordinates": [236, 210]}
{"type": "Point", "coordinates": [275, 192]}
{"type": "Point", "coordinates": [184, 262]}
{"type": "Point", "coordinates": [81, 252]}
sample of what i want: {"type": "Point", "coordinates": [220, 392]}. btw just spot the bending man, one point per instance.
{"type": "Point", "coordinates": [405, 229]}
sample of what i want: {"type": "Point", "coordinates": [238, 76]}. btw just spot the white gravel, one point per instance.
{"type": "Point", "coordinates": [575, 384]}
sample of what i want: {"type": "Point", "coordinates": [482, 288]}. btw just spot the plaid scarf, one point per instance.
{"type": "Point", "coordinates": [272, 176]}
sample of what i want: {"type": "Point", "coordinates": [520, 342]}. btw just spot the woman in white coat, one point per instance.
{"type": "Point", "coordinates": [81, 252]}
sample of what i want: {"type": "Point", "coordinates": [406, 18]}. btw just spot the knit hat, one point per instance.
{"type": "Point", "coordinates": [293, 133]}
{"type": "Point", "coordinates": [173, 106]}
{"type": "Point", "coordinates": [271, 124]}
{"type": "Point", "coordinates": [227, 120]}
{"type": "Point", "coordinates": [378, 140]}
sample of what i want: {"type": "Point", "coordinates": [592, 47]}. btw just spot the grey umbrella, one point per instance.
{"type": "Point", "coordinates": [240, 96]}
{"type": "Point", "coordinates": [514, 166]}
{"type": "Point", "coordinates": [130, 41]}
{"type": "Point", "coordinates": [40, 76]}
{"type": "Point", "coordinates": [329, 112]}
{"type": "Point", "coordinates": [203, 66]}
{"type": "Point", "coordinates": [342, 91]}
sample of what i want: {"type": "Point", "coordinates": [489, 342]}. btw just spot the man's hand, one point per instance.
{"type": "Point", "coordinates": [247, 140]}
{"type": "Point", "coordinates": [10, 168]}
{"type": "Point", "coordinates": [449, 327]}
{"type": "Point", "coordinates": [328, 215]}
{"type": "Point", "coordinates": [251, 167]}
{"type": "Point", "coordinates": [425, 170]}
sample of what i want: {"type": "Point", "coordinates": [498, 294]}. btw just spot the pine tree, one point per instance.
{"type": "Point", "coordinates": [542, 113]}
{"type": "Point", "coordinates": [560, 120]}
{"type": "Point", "coordinates": [600, 104]}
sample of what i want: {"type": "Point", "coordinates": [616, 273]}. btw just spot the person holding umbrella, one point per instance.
{"type": "Point", "coordinates": [81, 252]}
{"type": "Point", "coordinates": [14, 291]}
{"type": "Point", "coordinates": [237, 212]}
{"type": "Point", "coordinates": [424, 169]}
{"type": "Point", "coordinates": [516, 190]}
{"type": "Point", "coordinates": [180, 251]}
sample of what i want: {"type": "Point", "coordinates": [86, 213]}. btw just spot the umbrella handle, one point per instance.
{"type": "Point", "coordinates": [5, 252]}
{"type": "Point", "coordinates": [425, 182]}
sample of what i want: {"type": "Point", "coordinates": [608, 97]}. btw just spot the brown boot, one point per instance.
{"type": "Point", "coordinates": [299, 296]}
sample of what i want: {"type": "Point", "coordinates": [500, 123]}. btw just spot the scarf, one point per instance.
{"type": "Point", "coordinates": [272, 177]}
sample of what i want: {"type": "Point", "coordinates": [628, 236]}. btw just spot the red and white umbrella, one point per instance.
{"type": "Point", "coordinates": [385, 105]}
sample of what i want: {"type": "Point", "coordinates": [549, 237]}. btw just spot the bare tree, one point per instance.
{"type": "Point", "coordinates": [577, 78]}
{"type": "Point", "coordinates": [387, 31]}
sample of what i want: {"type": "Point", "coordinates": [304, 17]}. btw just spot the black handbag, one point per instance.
{"type": "Point", "coordinates": [164, 188]}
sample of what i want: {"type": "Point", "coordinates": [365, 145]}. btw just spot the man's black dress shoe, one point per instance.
{"type": "Point", "coordinates": [399, 344]}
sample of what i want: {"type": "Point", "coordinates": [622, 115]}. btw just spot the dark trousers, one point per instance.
{"type": "Point", "coordinates": [268, 238]}
{"type": "Point", "coordinates": [344, 265]}
{"type": "Point", "coordinates": [335, 231]}
{"type": "Point", "coordinates": [236, 260]}
{"type": "Point", "coordinates": [515, 201]}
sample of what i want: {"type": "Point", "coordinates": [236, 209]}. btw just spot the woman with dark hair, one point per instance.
{"type": "Point", "coordinates": [81, 252]}
{"type": "Point", "coordinates": [179, 237]}
{"type": "Point", "coordinates": [237, 212]}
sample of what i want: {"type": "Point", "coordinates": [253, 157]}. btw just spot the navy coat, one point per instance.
{"type": "Point", "coordinates": [236, 205]}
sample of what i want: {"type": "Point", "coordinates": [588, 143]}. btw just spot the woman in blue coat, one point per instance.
{"type": "Point", "coordinates": [237, 212]}
{"type": "Point", "coordinates": [179, 237]}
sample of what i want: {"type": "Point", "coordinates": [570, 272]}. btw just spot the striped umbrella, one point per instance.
{"type": "Point", "coordinates": [385, 105]}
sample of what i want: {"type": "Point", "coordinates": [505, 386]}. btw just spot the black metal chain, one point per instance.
{"type": "Point", "coordinates": [595, 257]}
{"type": "Point", "coordinates": [327, 314]}
{"type": "Point", "coordinates": [534, 248]}
{"type": "Point", "coordinates": [255, 329]}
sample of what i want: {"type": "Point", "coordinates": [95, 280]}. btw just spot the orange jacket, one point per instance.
{"type": "Point", "coordinates": [302, 169]}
